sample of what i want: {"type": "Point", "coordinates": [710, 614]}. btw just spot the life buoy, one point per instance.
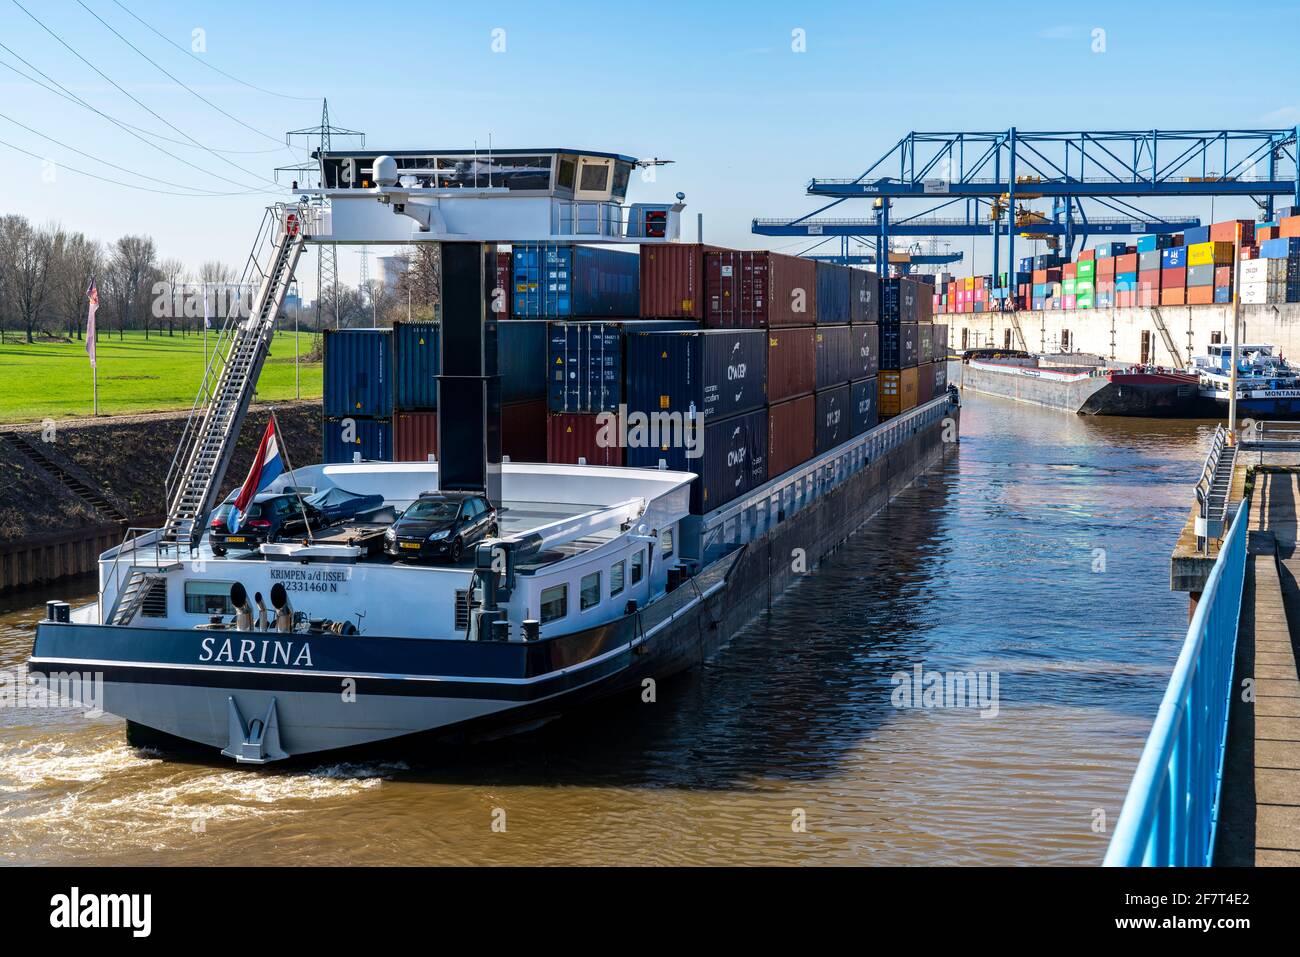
{"type": "Point", "coordinates": [291, 224]}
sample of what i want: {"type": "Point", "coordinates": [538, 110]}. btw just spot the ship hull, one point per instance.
{"type": "Point", "coordinates": [325, 693]}
{"type": "Point", "coordinates": [1115, 393]}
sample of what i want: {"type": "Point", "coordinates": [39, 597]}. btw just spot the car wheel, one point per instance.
{"type": "Point", "coordinates": [218, 550]}
{"type": "Point", "coordinates": [457, 550]}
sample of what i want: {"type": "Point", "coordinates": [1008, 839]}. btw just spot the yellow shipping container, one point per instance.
{"type": "Point", "coordinates": [969, 283]}
{"type": "Point", "coordinates": [1209, 254]}
{"type": "Point", "coordinates": [896, 391]}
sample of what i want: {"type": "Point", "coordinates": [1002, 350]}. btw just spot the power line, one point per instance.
{"type": "Point", "coordinates": [174, 79]}
{"type": "Point", "coordinates": [81, 102]}
{"type": "Point", "coordinates": [197, 190]}
{"type": "Point", "coordinates": [133, 98]}
{"type": "Point", "coordinates": [106, 179]}
{"type": "Point", "coordinates": [72, 98]}
{"type": "Point", "coordinates": [190, 54]}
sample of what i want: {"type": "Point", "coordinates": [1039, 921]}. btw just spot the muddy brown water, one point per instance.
{"type": "Point", "coordinates": [1037, 553]}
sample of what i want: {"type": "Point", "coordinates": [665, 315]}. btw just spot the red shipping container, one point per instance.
{"type": "Point", "coordinates": [1149, 279]}
{"type": "Point", "coordinates": [1227, 232]}
{"type": "Point", "coordinates": [503, 284]}
{"type": "Point", "coordinates": [1173, 277]}
{"type": "Point", "coordinates": [570, 436]}
{"type": "Point", "coordinates": [758, 290]}
{"type": "Point", "coordinates": [1124, 300]}
{"type": "Point", "coordinates": [1106, 268]}
{"type": "Point", "coordinates": [1126, 263]}
{"type": "Point", "coordinates": [415, 436]}
{"type": "Point", "coordinates": [1040, 275]}
{"type": "Point", "coordinates": [791, 434]}
{"type": "Point", "coordinates": [1266, 232]}
{"type": "Point", "coordinates": [791, 363]}
{"type": "Point", "coordinates": [1070, 271]}
{"type": "Point", "coordinates": [1177, 296]}
{"type": "Point", "coordinates": [1200, 295]}
{"type": "Point", "coordinates": [523, 431]}
{"type": "Point", "coordinates": [1288, 227]}
{"type": "Point", "coordinates": [672, 280]}
{"type": "Point", "coordinates": [924, 382]}
{"type": "Point", "coordinates": [1249, 252]}
{"type": "Point", "coordinates": [1148, 297]}
{"type": "Point", "coordinates": [1087, 255]}
{"type": "Point", "coordinates": [1223, 276]}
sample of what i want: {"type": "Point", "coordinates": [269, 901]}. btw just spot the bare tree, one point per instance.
{"type": "Point", "coordinates": [29, 273]}
{"type": "Point", "coordinates": [79, 259]}
{"type": "Point", "coordinates": [421, 281]}
{"type": "Point", "coordinates": [216, 277]}
{"type": "Point", "coordinates": [10, 226]}
{"type": "Point", "coordinates": [173, 273]}
{"type": "Point", "coordinates": [129, 274]}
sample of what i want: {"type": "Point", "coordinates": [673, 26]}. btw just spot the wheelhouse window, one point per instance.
{"type": "Point", "coordinates": [617, 572]}
{"type": "Point", "coordinates": [638, 565]}
{"type": "Point", "coordinates": [666, 543]}
{"type": "Point", "coordinates": [208, 598]}
{"type": "Point", "coordinates": [593, 178]}
{"type": "Point", "coordinates": [555, 602]}
{"type": "Point", "coordinates": [567, 173]}
{"type": "Point", "coordinates": [589, 596]}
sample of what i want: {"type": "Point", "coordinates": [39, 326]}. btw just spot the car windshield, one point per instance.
{"type": "Point", "coordinates": [433, 510]}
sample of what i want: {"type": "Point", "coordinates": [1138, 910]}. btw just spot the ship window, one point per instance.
{"type": "Point", "coordinates": [666, 543]}
{"type": "Point", "coordinates": [567, 169]}
{"type": "Point", "coordinates": [617, 572]}
{"type": "Point", "coordinates": [589, 597]}
{"type": "Point", "coordinates": [638, 565]}
{"type": "Point", "coordinates": [555, 602]}
{"type": "Point", "coordinates": [622, 173]}
{"type": "Point", "coordinates": [1216, 337]}
{"type": "Point", "coordinates": [594, 178]}
{"type": "Point", "coordinates": [208, 598]}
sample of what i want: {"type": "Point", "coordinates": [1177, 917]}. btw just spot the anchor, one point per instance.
{"type": "Point", "coordinates": [258, 742]}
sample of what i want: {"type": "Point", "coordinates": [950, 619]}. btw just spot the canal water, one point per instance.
{"type": "Point", "coordinates": [1036, 556]}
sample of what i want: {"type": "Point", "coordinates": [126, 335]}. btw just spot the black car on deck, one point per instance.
{"type": "Point", "coordinates": [269, 516]}
{"type": "Point", "coordinates": [441, 525]}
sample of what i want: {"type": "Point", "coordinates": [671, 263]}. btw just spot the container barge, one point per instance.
{"type": "Point", "coordinates": [1086, 390]}
{"type": "Point", "coordinates": [593, 578]}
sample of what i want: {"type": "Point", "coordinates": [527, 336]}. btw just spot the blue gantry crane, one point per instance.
{"type": "Point", "coordinates": [988, 176]}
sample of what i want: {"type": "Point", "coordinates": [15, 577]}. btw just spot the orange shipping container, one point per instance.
{"type": "Point", "coordinates": [1227, 232]}
{"type": "Point", "coordinates": [1070, 271]}
{"type": "Point", "coordinates": [1199, 295]}
{"type": "Point", "coordinates": [1288, 227]}
{"type": "Point", "coordinates": [1176, 296]}
{"type": "Point", "coordinates": [1266, 232]}
{"type": "Point", "coordinates": [1223, 276]}
{"type": "Point", "coordinates": [897, 391]}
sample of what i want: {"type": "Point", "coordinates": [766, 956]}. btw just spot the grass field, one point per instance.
{"type": "Point", "coordinates": [52, 379]}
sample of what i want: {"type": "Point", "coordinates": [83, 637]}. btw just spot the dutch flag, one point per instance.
{"type": "Point", "coordinates": [266, 466]}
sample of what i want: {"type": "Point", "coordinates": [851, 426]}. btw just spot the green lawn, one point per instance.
{"type": "Point", "coordinates": [52, 380]}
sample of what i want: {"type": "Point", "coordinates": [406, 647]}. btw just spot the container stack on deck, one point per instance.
{"type": "Point", "coordinates": [913, 350]}
{"type": "Point", "coordinates": [1193, 268]}
{"type": "Point", "coordinates": [736, 365]}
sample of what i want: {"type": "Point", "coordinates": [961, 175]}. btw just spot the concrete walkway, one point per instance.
{"type": "Point", "coordinates": [1259, 821]}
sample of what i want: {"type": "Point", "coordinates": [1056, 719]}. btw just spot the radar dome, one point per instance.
{"type": "Point", "coordinates": [385, 171]}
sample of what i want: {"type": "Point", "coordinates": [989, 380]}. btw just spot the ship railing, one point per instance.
{"type": "Point", "coordinates": [1271, 437]}
{"type": "Point", "coordinates": [730, 526]}
{"type": "Point", "coordinates": [1170, 814]}
{"type": "Point", "coordinates": [1214, 490]}
{"type": "Point", "coordinates": [140, 546]}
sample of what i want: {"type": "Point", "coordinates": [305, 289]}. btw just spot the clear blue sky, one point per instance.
{"type": "Point", "coordinates": [714, 86]}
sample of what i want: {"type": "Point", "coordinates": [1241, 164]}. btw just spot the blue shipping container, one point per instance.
{"type": "Point", "coordinates": [342, 439]}
{"type": "Point", "coordinates": [358, 373]}
{"type": "Point", "coordinates": [1222, 294]}
{"type": "Point", "coordinates": [833, 294]}
{"type": "Point", "coordinates": [1107, 250]}
{"type": "Point", "coordinates": [732, 459]}
{"type": "Point", "coordinates": [899, 346]}
{"type": "Point", "coordinates": [865, 359]}
{"type": "Point", "coordinates": [1154, 241]}
{"type": "Point", "coordinates": [1175, 257]}
{"type": "Point", "coordinates": [834, 417]}
{"type": "Point", "coordinates": [554, 281]}
{"type": "Point", "coordinates": [864, 296]}
{"type": "Point", "coordinates": [521, 345]}
{"type": "Point", "coordinates": [866, 410]}
{"type": "Point", "coordinates": [835, 356]}
{"type": "Point", "coordinates": [716, 372]}
{"type": "Point", "coordinates": [1201, 234]}
{"type": "Point", "coordinates": [585, 360]}
{"type": "Point", "coordinates": [1278, 248]}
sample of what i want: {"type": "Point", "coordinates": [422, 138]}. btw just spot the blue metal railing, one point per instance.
{"type": "Point", "coordinates": [1171, 811]}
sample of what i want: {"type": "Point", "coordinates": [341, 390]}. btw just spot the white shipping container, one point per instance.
{"type": "Point", "coordinates": [1256, 293]}
{"type": "Point", "coordinates": [1263, 270]}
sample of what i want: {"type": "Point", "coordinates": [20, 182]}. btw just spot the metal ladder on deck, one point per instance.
{"type": "Point", "coordinates": [208, 440]}
{"type": "Point", "coordinates": [132, 596]}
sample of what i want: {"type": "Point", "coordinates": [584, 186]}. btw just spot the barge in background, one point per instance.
{"type": "Point", "coordinates": [1086, 389]}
